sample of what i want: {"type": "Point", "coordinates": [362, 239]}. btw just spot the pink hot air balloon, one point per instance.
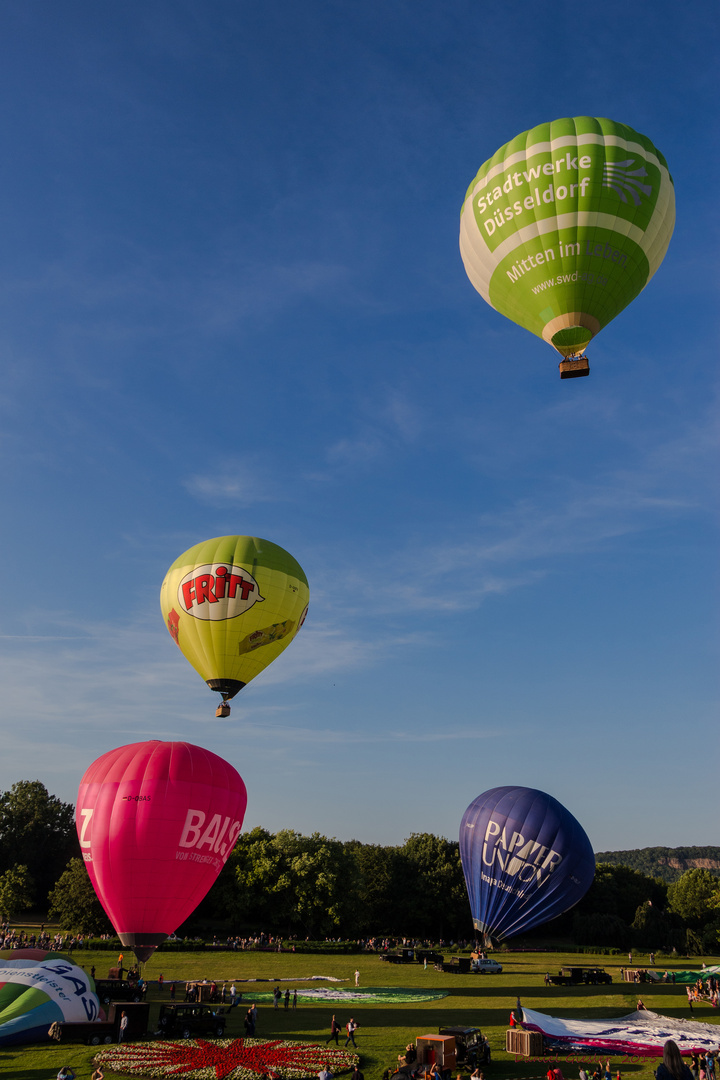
{"type": "Point", "coordinates": [156, 821]}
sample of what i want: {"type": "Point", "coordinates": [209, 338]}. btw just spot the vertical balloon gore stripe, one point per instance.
{"type": "Point", "coordinates": [157, 822]}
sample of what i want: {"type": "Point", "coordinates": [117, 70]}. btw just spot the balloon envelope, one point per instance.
{"type": "Point", "coordinates": [566, 224]}
{"type": "Point", "coordinates": [156, 822]}
{"type": "Point", "coordinates": [232, 605]}
{"type": "Point", "coordinates": [38, 988]}
{"type": "Point", "coordinates": [525, 858]}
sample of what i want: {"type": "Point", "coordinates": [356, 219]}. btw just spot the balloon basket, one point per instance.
{"type": "Point", "coordinates": [524, 1043]}
{"type": "Point", "coordinates": [574, 367]}
{"type": "Point", "coordinates": [223, 710]}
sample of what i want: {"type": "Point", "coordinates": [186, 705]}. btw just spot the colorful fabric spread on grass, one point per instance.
{"type": "Point", "coordinates": [693, 976]}
{"type": "Point", "coordinates": [387, 995]}
{"type": "Point", "coordinates": [304, 978]}
{"type": "Point", "coordinates": [639, 1034]}
{"type": "Point", "coordinates": [225, 1059]}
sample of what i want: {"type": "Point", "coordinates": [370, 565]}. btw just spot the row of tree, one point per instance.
{"type": "Point", "coordinates": [314, 886]}
{"type": "Point", "coordinates": [665, 863]}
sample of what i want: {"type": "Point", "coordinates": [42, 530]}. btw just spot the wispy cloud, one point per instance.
{"type": "Point", "coordinates": [511, 548]}
{"type": "Point", "coordinates": [387, 419]}
{"type": "Point", "coordinates": [239, 481]}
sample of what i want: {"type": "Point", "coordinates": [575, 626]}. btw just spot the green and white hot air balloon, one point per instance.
{"type": "Point", "coordinates": [564, 226]}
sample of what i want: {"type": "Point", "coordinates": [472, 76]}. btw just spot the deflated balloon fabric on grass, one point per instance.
{"type": "Point", "coordinates": [639, 1034]}
{"type": "Point", "coordinates": [389, 995]}
{"type": "Point", "coordinates": [225, 1059]}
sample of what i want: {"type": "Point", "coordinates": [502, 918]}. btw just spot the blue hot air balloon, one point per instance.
{"type": "Point", "coordinates": [525, 858]}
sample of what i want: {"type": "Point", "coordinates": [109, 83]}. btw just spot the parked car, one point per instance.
{"type": "Point", "coordinates": [186, 1021]}
{"type": "Point", "coordinates": [471, 1046]}
{"type": "Point", "coordinates": [485, 967]}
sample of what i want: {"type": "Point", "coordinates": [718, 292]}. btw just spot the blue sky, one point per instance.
{"type": "Point", "coordinates": [231, 301]}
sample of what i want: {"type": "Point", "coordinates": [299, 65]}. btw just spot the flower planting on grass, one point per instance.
{"type": "Point", "coordinates": [225, 1059]}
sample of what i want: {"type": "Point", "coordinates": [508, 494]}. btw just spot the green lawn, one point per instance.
{"type": "Point", "coordinates": [482, 1001]}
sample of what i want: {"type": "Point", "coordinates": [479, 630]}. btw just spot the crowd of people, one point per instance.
{"type": "Point", "coordinates": [703, 991]}
{"type": "Point", "coordinates": [20, 939]}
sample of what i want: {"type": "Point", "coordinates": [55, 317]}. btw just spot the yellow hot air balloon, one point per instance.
{"type": "Point", "coordinates": [232, 605]}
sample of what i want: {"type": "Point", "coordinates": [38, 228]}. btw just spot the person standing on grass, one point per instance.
{"type": "Point", "coordinates": [294, 999]}
{"type": "Point", "coordinates": [351, 1027]}
{"type": "Point", "coordinates": [356, 1074]}
{"type": "Point", "coordinates": [357, 977]}
{"type": "Point", "coordinates": [123, 1027]}
{"type": "Point", "coordinates": [325, 1073]}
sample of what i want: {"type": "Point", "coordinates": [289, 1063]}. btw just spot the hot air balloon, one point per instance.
{"type": "Point", "coordinates": [156, 822]}
{"type": "Point", "coordinates": [38, 988]}
{"type": "Point", "coordinates": [232, 605]}
{"type": "Point", "coordinates": [564, 226]}
{"type": "Point", "coordinates": [525, 858]}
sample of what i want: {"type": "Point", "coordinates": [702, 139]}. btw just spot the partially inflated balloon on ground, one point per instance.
{"type": "Point", "coordinates": [232, 605]}
{"type": "Point", "coordinates": [565, 225]}
{"type": "Point", "coordinates": [526, 859]}
{"type": "Point", "coordinates": [38, 988]}
{"type": "Point", "coordinates": [156, 822]}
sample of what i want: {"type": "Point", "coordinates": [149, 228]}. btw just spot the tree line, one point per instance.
{"type": "Point", "coordinates": [318, 887]}
{"type": "Point", "coordinates": [666, 863]}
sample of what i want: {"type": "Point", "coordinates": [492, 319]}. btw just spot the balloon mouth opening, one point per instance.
{"type": "Point", "coordinates": [143, 945]}
{"type": "Point", "coordinates": [227, 687]}
{"type": "Point", "coordinates": [487, 940]}
{"type": "Point", "coordinates": [570, 333]}
{"type": "Point", "coordinates": [571, 340]}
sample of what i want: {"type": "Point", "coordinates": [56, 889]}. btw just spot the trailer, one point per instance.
{"type": "Point", "coordinates": [403, 956]}
{"type": "Point", "coordinates": [574, 976]}
{"type": "Point", "coordinates": [459, 965]}
{"type": "Point", "coordinates": [90, 1032]}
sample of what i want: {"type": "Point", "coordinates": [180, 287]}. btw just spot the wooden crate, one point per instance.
{"type": "Point", "coordinates": [436, 1049]}
{"type": "Point", "coordinates": [523, 1043]}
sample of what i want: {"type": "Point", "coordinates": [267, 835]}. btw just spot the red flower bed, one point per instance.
{"type": "Point", "coordinates": [225, 1059]}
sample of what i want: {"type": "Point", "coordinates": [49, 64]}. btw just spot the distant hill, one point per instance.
{"type": "Point", "coordinates": [668, 864]}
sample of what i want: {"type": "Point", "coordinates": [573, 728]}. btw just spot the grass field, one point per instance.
{"type": "Point", "coordinates": [483, 1001]}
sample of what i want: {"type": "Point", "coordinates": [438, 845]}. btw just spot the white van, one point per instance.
{"type": "Point", "coordinates": [486, 967]}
